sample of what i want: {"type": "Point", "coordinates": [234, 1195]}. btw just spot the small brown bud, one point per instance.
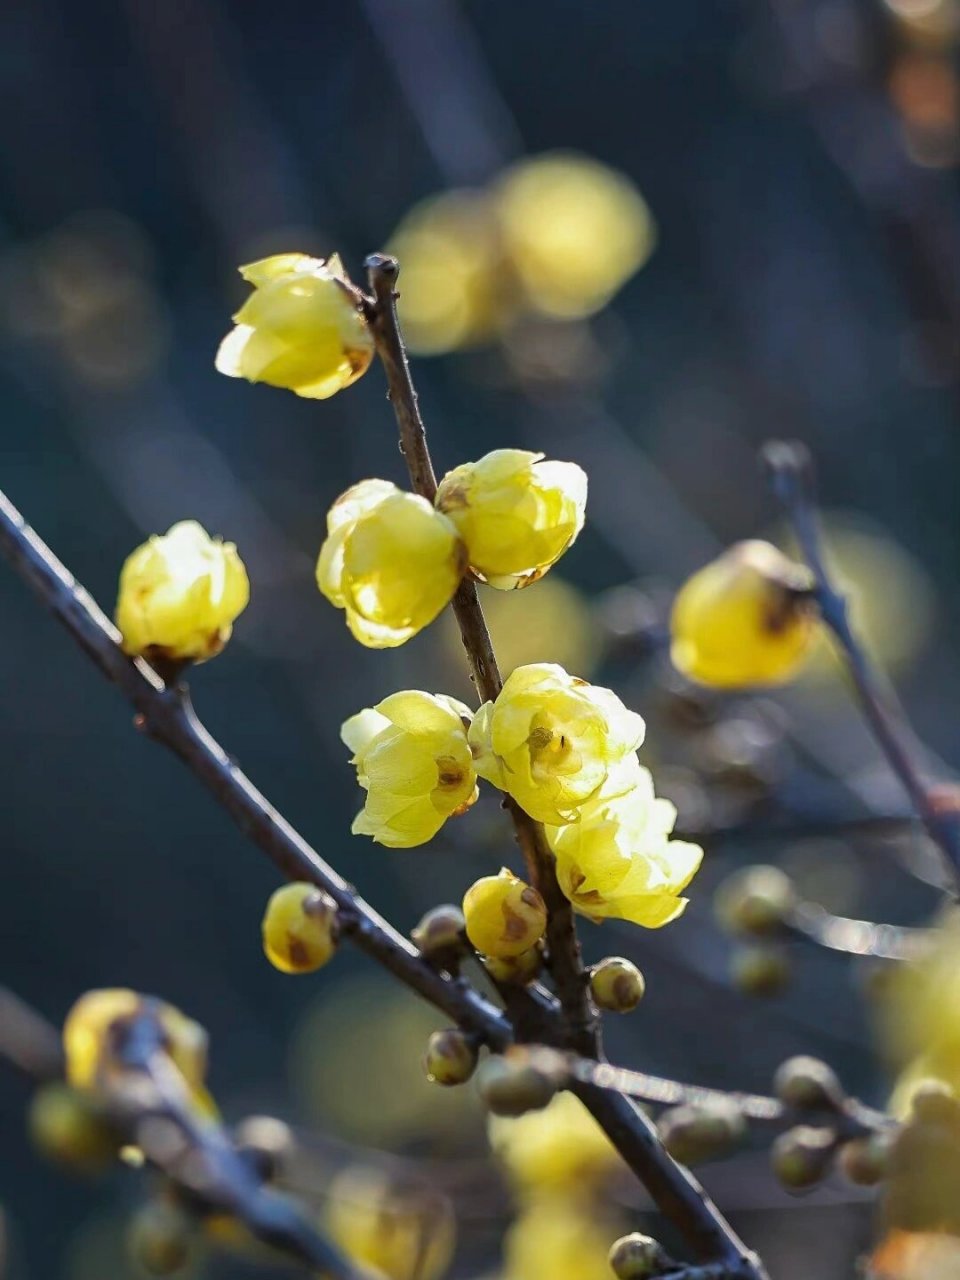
{"type": "Point", "coordinates": [451, 1057]}
{"type": "Point", "coordinates": [801, 1157]}
{"type": "Point", "coordinates": [266, 1143]}
{"type": "Point", "coordinates": [934, 1102]}
{"type": "Point", "coordinates": [865, 1161]}
{"type": "Point", "coordinates": [693, 1134]}
{"type": "Point", "coordinates": [808, 1084]}
{"type": "Point", "coordinates": [760, 970]}
{"type": "Point", "coordinates": [521, 1080]}
{"type": "Point", "coordinates": [616, 984]}
{"type": "Point", "coordinates": [638, 1257]}
{"type": "Point", "coordinates": [755, 901]}
{"type": "Point", "coordinates": [440, 930]}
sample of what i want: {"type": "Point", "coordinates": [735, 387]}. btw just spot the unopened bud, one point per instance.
{"type": "Point", "coordinates": [755, 901]}
{"type": "Point", "coordinates": [67, 1127]}
{"type": "Point", "coordinates": [521, 1080]}
{"type": "Point", "coordinates": [865, 1161]}
{"type": "Point", "coordinates": [159, 1238]}
{"type": "Point", "coordinates": [266, 1143]}
{"type": "Point", "coordinates": [808, 1084]}
{"type": "Point", "coordinates": [802, 1156]}
{"type": "Point", "coordinates": [760, 970]}
{"type": "Point", "coordinates": [638, 1257]}
{"type": "Point", "coordinates": [504, 916]}
{"type": "Point", "coordinates": [617, 985]}
{"type": "Point", "coordinates": [934, 1102]}
{"type": "Point", "coordinates": [693, 1134]}
{"type": "Point", "coordinates": [515, 971]}
{"type": "Point", "coordinates": [451, 1057]}
{"type": "Point", "coordinates": [440, 931]}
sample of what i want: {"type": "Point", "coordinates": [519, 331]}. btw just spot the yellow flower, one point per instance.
{"type": "Point", "coordinates": [299, 928]}
{"type": "Point", "coordinates": [516, 513]}
{"type": "Point", "coordinates": [390, 560]}
{"type": "Point", "coordinates": [619, 860]}
{"type": "Point", "coordinates": [560, 1147]}
{"type": "Point", "coordinates": [414, 763]}
{"type": "Point", "coordinates": [550, 740]}
{"type": "Point", "coordinates": [301, 328]}
{"type": "Point", "coordinates": [745, 619]}
{"type": "Point", "coordinates": [504, 916]}
{"type": "Point", "coordinates": [557, 1238]}
{"type": "Point", "coordinates": [575, 231]}
{"type": "Point", "coordinates": [406, 1234]}
{"type": "Point", "coordinates": [454, 291]}
{"type": "Point", "coordinates": [88, 1047]}
{"type": "Point", "coordinates": [180, 593]}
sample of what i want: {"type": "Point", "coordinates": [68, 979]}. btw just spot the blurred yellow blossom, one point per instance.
{"type": "Point", "coordinates": [550, 740]}
{"type": "Point", "coordinates": [560, 1147]}
{"type": "Point", "coordinates": [180, 593]}
{"type": "Point", "coordinates": [618, 860]}
{"type": "Point", "coordinates": [504, 916]}
{"type": "Point", "coordinates": [88, 1047]}
{"type": "Point", "coordinates": [301, 328]}
{"type": "Point", "coordinates": [454, 289]}
{"type": "Point", "coordinates": [744, 619]}
{"type": "Point", "coordinates": [516, 513]}
{"type": "Point", "coordinates": [574, 229]}
{"type": "Point", "coordinates": [557, 1238]}
{"type": "Point", "coordinates": [414, 763]}
{"type": "Point", "coordinates": [406, 1233]}
{"type": "Point", "coordinates": [390, 561]}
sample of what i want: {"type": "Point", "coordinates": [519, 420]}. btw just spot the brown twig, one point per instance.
{"type": "Point", "coordinates": [28, 1040]}
{"type": "Point", "coordinates": [564, 948]}
{"type": "Point", "coordinates": [791, 474]}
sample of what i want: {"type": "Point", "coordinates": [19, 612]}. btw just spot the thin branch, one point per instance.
{"type": "Point", "coordinates": [564, 947]}
{"type": "Point", "coordinates": [791, 473]}
{"type": "Point", "coordinates": [28, 1040]}
{"type": "Point", "coordinates": [165, 713]}
{"type": "Point", "coordinates": [813, 923]}
{"type": "Point", "coordinates": [150, 1099]}
{"type": "Point", "coordinates": [675, 1190]}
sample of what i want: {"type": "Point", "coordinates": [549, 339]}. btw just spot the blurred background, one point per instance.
{"type": "Point", "coordinates": [783, 259]}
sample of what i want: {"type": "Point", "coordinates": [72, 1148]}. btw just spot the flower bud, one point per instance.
{"type": "Point", "coordinates": [755, 901]}
{"type": "Point", "coordinates": [693, 1133]}
{"type": "Point", "coordinates": [180, 594]}
{"type": "Point", "coordinates": [299, 928]}
{"type": "Point", "coordinates": [934, 1102]}
{"type": "Point", "coordinates": [390, 561]}
{"type": "Point", "coordinates": [440, 931]}
{"type": "Point", "coordinates": [267, 1143]}
{"type": "Point", "coordinates": [746, 619]}
{"type": "Point", "coordinates": [639, 1257]}
{"type": "Point", "coordinates": [504, 916]}
{"type": "Point", "coordinates": [159, 1237]}
{"type": "Point", "coordinates": [516, 513]}
{"type": "Point", "coordinates": [302, 327]}
{"type": "Point", "coordinates": [808, 1085]}
{"type": "Point", "coordinates": [760, 970]}
{"type": "Point", "coordinates": [521, 1080]}
{"type": "Point", "coordinates": [865, 1161]}
{"type": "Point", "coordinates": [451, 1057]}
{"type": "Point", "coordinates": [617, 985]}
{"type": "Point", "coordinates": [68, 1128]}
{"type": "Point", "coordinates": [515, 971]}
{"type": "Point", "coordinates": [802, 1156]}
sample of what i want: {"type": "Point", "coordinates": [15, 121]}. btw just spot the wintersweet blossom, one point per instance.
{"type": "Point", "coordinates": [550, 740]}
{"type": "Point", "coordinates": [516, 513]}
{"type": "Point", "coordinates": [180, 593]}
{"type": "Point", "coordinates": [413, 761]}
{"type": "Point", "coordinates": [302, 327]}
{"type": "Point", "coordinates": [390, 561]}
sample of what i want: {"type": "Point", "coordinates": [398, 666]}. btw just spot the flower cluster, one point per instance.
{"type": "Point", "coordinates": [392, 561]}
{"type": "Point", "coordinates": [565, 752]}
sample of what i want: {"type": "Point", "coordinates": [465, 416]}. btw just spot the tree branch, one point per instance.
{"type": "Point", "coordinates": [791, 474]}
